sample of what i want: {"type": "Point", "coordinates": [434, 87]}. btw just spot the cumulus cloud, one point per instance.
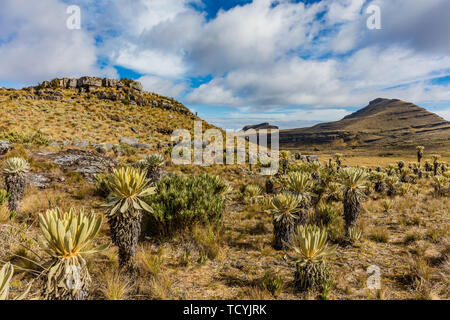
{"type": "Point", "coordinates": [163, 86]}
{"type": "Point", "coordinates": [36, 45]}
{"type": "Point", "coordinates": [445, 113]}
{"type": "Point", "coordinates": [260, 56]}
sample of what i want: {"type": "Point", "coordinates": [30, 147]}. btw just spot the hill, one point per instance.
{"type": "Point", "coordinates": [383, 123]}
{"type": "Point", "coordinates": [89, 111]}
{"type": "Point", "coordinates": [264, 125]}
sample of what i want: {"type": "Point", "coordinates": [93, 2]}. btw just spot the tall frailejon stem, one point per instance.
{"type": "Point", "coordinates": [129, 187]}
{"type": "Point", "coordinates": [354, 184]}
{"type": "Point", "coordinates": [420, 150]}
{"type": "Point", "coordinates": [153, 166]}
{"type": "Point", "coordinates": [15, 181]}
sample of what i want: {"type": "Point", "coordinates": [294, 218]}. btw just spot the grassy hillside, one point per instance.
{"type": "Point", "coordinates": [85, 117]}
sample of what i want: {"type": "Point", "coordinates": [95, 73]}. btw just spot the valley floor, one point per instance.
{"type": "Point", "coordinates": [410, 245]}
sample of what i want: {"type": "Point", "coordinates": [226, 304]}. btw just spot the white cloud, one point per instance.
{"type": "Point", "coordinates": [445, 113]}
{"type": "Point", "coordinates": [162, 86]}
{"type": "Point", "coordinates": [261, 55]}
{"type": "Point", "coordinates": [36, 45]}
{"type": "Point", "coordinates": [151, 62]}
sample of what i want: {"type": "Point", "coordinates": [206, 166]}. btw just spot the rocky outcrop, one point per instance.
{"type": "Point", "coordinates": [87, 84]}
{"type": "Point", "coordinates": [84, 162]}
{"type": "Point", "coordinates": [126, 91]}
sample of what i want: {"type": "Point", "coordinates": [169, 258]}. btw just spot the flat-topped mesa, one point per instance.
{"type": "Point", "coordinates": [87, 84]}
{"type": "Point", "coordinates": [125, 90]}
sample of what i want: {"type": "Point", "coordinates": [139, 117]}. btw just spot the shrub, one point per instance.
{"type": "Point", "coordinates": [183, 202]}
{"type": "Point", "coordinates": [4, 195]}
{"type": "Point", "coordinates": [102, 185]}
{"type": "Point", "coordinates": [273, 283]}
{"type": "Point", "coordinates": [37, 138]}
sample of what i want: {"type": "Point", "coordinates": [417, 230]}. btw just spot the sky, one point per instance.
{"type": "Point", "coordinates": [237, 62]}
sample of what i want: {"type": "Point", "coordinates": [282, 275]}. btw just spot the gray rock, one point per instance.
{"type": "Point", "coordinates": [89, 82]}
{"type": "Point", "coordinates": [103, 147]}
{"type": "Point", "coordinates": [134, 130]}
{"type": "Point", "coordinates": [81, 144]}
{"type": "Point", "coordinates": [312, 158]}
{"type": "Point", "coordinates": [84, 162]}
{"type": "Point", "coordinates": [54, 144]}
{"type": "Point", "coordinates": [141, 146]}
{"type": "Point", "coordinates": [136, 86]}
{"type": "Point", "coordinates": [38, 180]}
{"type": "Point", "coordinates": [5, 146]}
{"type": "Point", "coordinates": [109, 83]}
{"type": "Point", "coordinates": [129, 140]}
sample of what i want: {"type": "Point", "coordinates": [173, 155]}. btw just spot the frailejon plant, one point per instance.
{"type": "Point", "coordinates": [6, 274]}
{"type": "Point", "coordinates": [435, 158]}
{"type": "Point", "coordinates": [378, 179]}
{"type": "Point", "coordinates": [129, 187]}
{"type": "Point", "coordinates": [153, 166]}
{"type": "Point", "coordinates": [300, 184]}
{"type": "Point", "coordinates": [441, 186]}
{"type": "Point", "coordinates": [420, 150]}
{"type": "Point", "coordinates": [67, 236]}
{"type": "Point", "coordinates": [392, 183]}
{"type": "Point", "coordinates": [354, 235]}
{"type": "Point", "coordinates": [311, 247]}
{"type": "Point", "coordinates": [354, 183]}
{"type": "Point", "coordinates": [387, 205]}
{"type": "Point", "coordinates": [334, 192]}
{"type": "Point", "coordinates": [284, 160]}
{"type": "Point", "coordinates": [252, 192]}
{"type": "Point", "coordinates": [15, 181]}
{"type": "Point", "coordinates": [181, 202]}
{"type": "Point", "coordinates": [285, 215]}
{"type": "Point", "coordinates": [325, 214]}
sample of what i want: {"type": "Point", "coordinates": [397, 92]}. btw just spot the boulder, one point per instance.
{"type": "Point", "coordinates": [84, 162]}
{"type": "Point", "coordinates": [5, 146]}
{"type": "Point", "coordinates": [39, 180]}
{"type": "Point", "coordinates": [103, 147]}
{"type": "Point", "coordinates": [136, 86]}
{"type": "Point", "coordinates": [89, 82]}
{"type": "Point", "coordinates": [312, 158]}
{"type": "Point", "coordinates": [129, 140]}
{"type": "Point", "coordinates": [141, 146]}
{"type": "Point", "coordinates": [81, 144]}
{"type": "Point", "coordinates": [109, 83]}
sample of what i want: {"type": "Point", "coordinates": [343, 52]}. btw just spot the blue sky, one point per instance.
{"type": "Point", "coordinates": [238, 62]}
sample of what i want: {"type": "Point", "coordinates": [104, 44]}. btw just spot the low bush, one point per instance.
{"type": "Point", "coordinates": [183, 202]}
{"type": "Point", "coordinates": [36, 138]}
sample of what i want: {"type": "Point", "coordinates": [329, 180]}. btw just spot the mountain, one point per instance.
{"type": "Point", "coordinates": [383, 123]}
{"type": "Point", "coordinates": [89, 111]}
{"type": "Point", "coordinates": [264, 125]}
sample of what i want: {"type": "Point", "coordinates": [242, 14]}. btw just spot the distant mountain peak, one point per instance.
{"type": "Point", "coordinates": [264, 125]}
{"type": "Point", "coordinates": [382, 122]}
